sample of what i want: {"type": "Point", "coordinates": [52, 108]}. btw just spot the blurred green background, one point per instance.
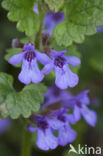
{"type": "Point", "coordinates": [91, 77]}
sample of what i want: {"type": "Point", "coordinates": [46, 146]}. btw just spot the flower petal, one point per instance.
{"type": "Point", "coordinates": [30, 72]}
{"type": "Point", "coordinates": [4, 124]}
{"type": "Point", "coordinates": [32, 129]}
{"type": "Point", "coordinates": [73, 79]}
{"type": "Point", "coordinates": [36, 74]}
{"type": "Point", "coordinates": [73, 60]}
{"type": "Point", "coordinates": [48, 68]}
{"type": "Point", "coordinates": [55, 124]}
{"type": "Point", "coordinates": [54, 53]}
{"type": "Point", "coordinates": [69, 102]}
{"type": "Point", "coordinates": [48, 28]}
{"type": "Point", "coordinates": [77, 113]}
{"type": "Point", "coordinates": [50, 101]}
{"type": "Point", "coordinates": [61, 78]}
{"type": "Point", "coordinates": [41, 142]}
{"type": "Point", "coordinates": [70, 118]}
{"type": "Point", "coordinates": [46, 140]}
{"type": "Point", "coordinates": [16, 59]}
{"type": "Point", "coordinates": [48, 23]}
{"type": "Point", "coordinates": [66, 135]}
{"type": "Point", "coordinates": [35, 9]}
{"type": "Point", "coordinates": [51, 20]}
{"type": "Point", "coordinates": [25, 74]}
{"type": "Point", "coordinates": [90, 116]}
{"type": "Point", "coordinates": [42, 58]}
{"type": "Point", "coordinates": [83, 97]}
{"type": "Point", "coordinates": [29, 47]}
{"type": "Point", "coordinates": [99, 29]}
{"type": "Point", "coordinates": [65, 78]}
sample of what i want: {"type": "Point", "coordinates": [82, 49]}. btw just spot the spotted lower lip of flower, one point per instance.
{"type": "Point", "coordinates": [64, 76]}
{"type": "Point", "coordinates": [30, 71]}
{"type": "Point", "coordinates": [58, 120]}
{"type": "Point", "coordinates": [45, 138]}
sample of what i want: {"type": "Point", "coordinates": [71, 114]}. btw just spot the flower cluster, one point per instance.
{"type": "Point", "coordinates": [60, 119]}
{"type": "Point", "coordinates": [31, 73]}
{"type": "Point", "coordinates": [57, 61]}
{"type": "Point", "coordinates": [55, 113]}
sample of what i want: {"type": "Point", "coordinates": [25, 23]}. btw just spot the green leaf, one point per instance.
{"type": "Point", "coordinates": [55, 5]}
{"type": "Point", "coordinates": [21, 11]}
{"type": "Point", "coordinates": [6, 82]}
{"type": "Point", "coordinates": [3, 111]}
{"type": "Point", "coordinates": [79, 22]}
{"type": "Point", "coordinates": [25, 102]}
{"type": "Point", "coordinates": [11, 52]}
{"type": "Point", "coordinates": [6, 88]}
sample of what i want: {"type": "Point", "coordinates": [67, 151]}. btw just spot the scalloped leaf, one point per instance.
{"type": "Point", "coordinates": [81, 19]}
{"type": "Point", "coordinates": [21, 11]}
{"type": "Point", "coordinates": [55, 5]}
{"type": "Point", "coordinates": [6, 87]}
{"type": "Point", "coordinates": [25, 102]}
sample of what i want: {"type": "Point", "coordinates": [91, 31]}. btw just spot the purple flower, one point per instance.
{"type": "Point", "coordinates": [65, 133]}
{"type": "Point", "coordinates": [17, 44]}
{"type": "Point", "coordinates": [4, 124]}
{"type": "Point", "coordinates": [54, 95]}
{"type": "Point", "coordinates": [79, 104]}
{"type": "Point", "coordinates": [64, 76]}
{"type": "Point", "coordinates": [46, 126]}
{"type": "Point", "coordinates": [35, 9]}
{"type": "Point", "coordinates": [45, 138]}
{"type": "Point", "coordinates": [99, 29]}
{"type": "Point", "coordinates": [29, 57]}
{"type": "Point", "coordinates": [51, 20]}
